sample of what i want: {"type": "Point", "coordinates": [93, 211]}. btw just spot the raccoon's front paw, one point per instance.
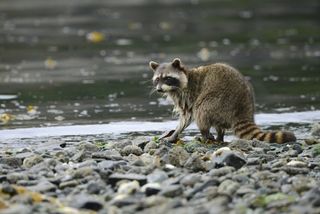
{"type": "Point", "coordinates": [169, 141]}
{"type": "Point", "coordinates": [166, 134]}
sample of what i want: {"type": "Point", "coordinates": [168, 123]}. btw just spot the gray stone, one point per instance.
{"type": "Point", "coordinates": [80, 156]}
{"type": "Point", "coordinates": [245, 190]}
{"type": "Point", "coordinates": [151, 189]}
{"type": "Point", "coordinates": [226, 157]}
{"type": "Point", "coordinates": [17, 208]}
{"type": "Point", "coordinates": [228, 187]}
{"type": "Point", "coordinates": [115, 177]}
{"type": "Point", "coordinates": [150, 146]}
{"type": "Point", "coordinates": [107, 154]}
{"type": "Point", "coordinates": [110, 164]}
{"type": "Point", "coordinates": [295, 170]}
{"type": "Point", "coordinates": [254, 161]}
{"type": "Point", "coordinates": [178, 156]}
{"type": "Point", "coordinates": [157, 176]}
{"type": "Point", "coordinates": [201, 187]}
{"type": "Point", "coordinates": [190, 179]}
{"type": "Point", "coordinates": [241, 144]}
{"type": "Point", "coordinates": [122, 144]}
{"type": "Point", "coordinates": [125, 201]}
{"type": "Point", "coordinates": [128, 188]}
{"type": "Point", "coordinates": [88, 202]}
{"type": "Point", "coordinates": [88, 147]}
{"type": "Point", "coordinates": [295, 163]}
{"type": "Point", "coordinates": [43, 186]}
{"type": "Point", "coordinates": [311, 141]}
{"type": "Point", "coordinates": [8, 189]}
{"type": "Point", "coordinates": [195, 163]}
{"type": "Point", "coordinates": [154, 200]}
{"type": "Point", "coordinates": [61, 156]}
{"type": "Point", "coordinates": [14, 177]}
{"type": "Point", "coordinates": [315, 131]}
{"type": "Point", "coordinates": [11, 161]}
{"type": "Point", "coordinates": [131, 149]}
{"type": "Point", "coordinates": [312, 197]}
{"type": "Point", "coordinates": [301, 183]}
{"type": "Point", "coordinates": [221, 171]}
{"type": "Point", "coordinates": [82, 172]}
{"type": "Point", "coordinates": [95, 187]}
{"type": "Point", "coordinates": [70, 183]}
{"type": "Point", "coordinates": [171, 191]}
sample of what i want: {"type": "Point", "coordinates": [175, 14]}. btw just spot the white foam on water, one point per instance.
{"type": "Point", "coordinates": [117, 128]}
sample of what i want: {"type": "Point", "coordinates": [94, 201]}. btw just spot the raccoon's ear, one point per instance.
{"type": "Point", "coordinates": [176, 63]}
{"type": "Point", "coordinates": [153, 65]}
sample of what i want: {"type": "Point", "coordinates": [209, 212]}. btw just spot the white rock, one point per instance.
{"type": "Point", "coordinates": [129, 187]}
{"type": "Point", "coordinates": [296, 163]}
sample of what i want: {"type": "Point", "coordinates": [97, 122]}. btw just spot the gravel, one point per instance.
{"type": "Point", "coordinates": [135, 175]}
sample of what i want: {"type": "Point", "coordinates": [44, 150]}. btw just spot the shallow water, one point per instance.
{"type": "Point", "coordinates": [50, 74]}
{"type": "Point", "coordinates": [297, 122]}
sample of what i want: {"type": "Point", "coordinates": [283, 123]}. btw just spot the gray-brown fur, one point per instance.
{"type": "Point", "coordinates": [216, 96]}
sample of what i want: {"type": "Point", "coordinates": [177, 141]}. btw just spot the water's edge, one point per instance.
{"type": "Point", "coordinates": [116, 128]}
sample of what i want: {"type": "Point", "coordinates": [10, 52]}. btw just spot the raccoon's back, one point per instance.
{"type": "Point", "coordinates": [230, 93]}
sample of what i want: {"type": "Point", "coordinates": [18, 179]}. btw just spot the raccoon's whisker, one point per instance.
{"type": "Point", "coordinates": [152, 91]}
{"type": "Point", "coordinates": [146, 81]}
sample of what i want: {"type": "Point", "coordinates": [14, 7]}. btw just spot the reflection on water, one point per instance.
{"type": "Point", "coordinates": [80, 62]}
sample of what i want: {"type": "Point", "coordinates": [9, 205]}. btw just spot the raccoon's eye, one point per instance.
{"type": "Point", "coordinates": [171, 81]}
{"type": "Point", "coordinates": [156, 80]}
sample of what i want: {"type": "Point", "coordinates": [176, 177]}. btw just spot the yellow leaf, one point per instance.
{"type": "Point", "coordinates": [6, 117]}
{"type": "Point", "coordinates": [95, 37]}
{"type": "Point", "coordinates": [49, 63]}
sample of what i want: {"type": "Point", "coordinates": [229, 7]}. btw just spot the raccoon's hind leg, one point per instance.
{"type": "Point", "coordinates": [206, 135]}
{"type": "Point", "coordinates": [204, 128]}
{"type": "Point", "coordinates": [220, 132]}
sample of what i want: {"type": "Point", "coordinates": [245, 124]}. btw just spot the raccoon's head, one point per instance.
{"type": "Point", "coordinates": [169, 77]}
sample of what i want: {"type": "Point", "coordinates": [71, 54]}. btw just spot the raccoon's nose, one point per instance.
{"type": "Point", "coordinates": [160, 90]}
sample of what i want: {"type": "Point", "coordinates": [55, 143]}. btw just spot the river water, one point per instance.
{"type": "Point", "coordinates": [52, 73]}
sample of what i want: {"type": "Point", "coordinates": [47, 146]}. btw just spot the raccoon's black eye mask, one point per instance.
{"type": "Point", "coordinates": [171, 81]}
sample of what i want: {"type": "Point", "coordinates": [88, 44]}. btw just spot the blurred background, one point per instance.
{"type": "Point", "coordinates": [86, 61]}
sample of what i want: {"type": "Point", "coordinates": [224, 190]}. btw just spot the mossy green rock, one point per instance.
{"type": "Point", "coordinates": [264, 200]}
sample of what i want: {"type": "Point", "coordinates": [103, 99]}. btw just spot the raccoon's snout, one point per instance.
{"type": "Point", "coordinates": [159, 89]}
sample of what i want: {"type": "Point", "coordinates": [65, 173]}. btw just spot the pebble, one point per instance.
{"type": "Point", "coordinates": [43, 186]}
{"type": "Point", "coordinates": [11, 161]}
{"type": "Point", "coordinates": [221, 171]}
{"type": "Point", "coordinates": [315, 131]}
{"type": "Point", "coordinates": [88, 202]}
{"type": "Point", "coordinates": [195, 163]}
{"type": "Point", "coordinates": [129, 188]}
{"type": "Point", "coordinates": [178, 156]}
{"type": "Point", "coordinates": [14, 177]}
{"type": "Point", "coordinates": [295, 163]}
{"type": "Point", "coordinates": [151, 189]}
{"type": "Point", "coordinates": [107, 154]}
{"type": "Point", "coordinates": [151, 146]}
{"type": "Point", "coordinates": [228, 187]}
{"type": "Point", "coordinates": [226, 157]}
{"type": "Point", "coordinates": [190, 179]}
{"type": "Point", "coordinates": [122, 144]}
{"type": "Point", "coordinates": [131, 149]}
{"type": "Point", "coordinates": [171, 191]}
{"type": "Point", "coordinates": [114, 178]}
{"type": "Point", "coordinates": [159, 178]}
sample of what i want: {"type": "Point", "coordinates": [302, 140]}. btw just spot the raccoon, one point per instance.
{"type": "Point", "coordinates": [215, 95]}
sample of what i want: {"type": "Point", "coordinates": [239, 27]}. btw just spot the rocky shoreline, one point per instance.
{"type": "Point", "coordinates": [141, 175]}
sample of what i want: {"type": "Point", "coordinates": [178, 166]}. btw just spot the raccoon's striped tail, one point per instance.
{"type": "Point", "coordinates": [249, 130]}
